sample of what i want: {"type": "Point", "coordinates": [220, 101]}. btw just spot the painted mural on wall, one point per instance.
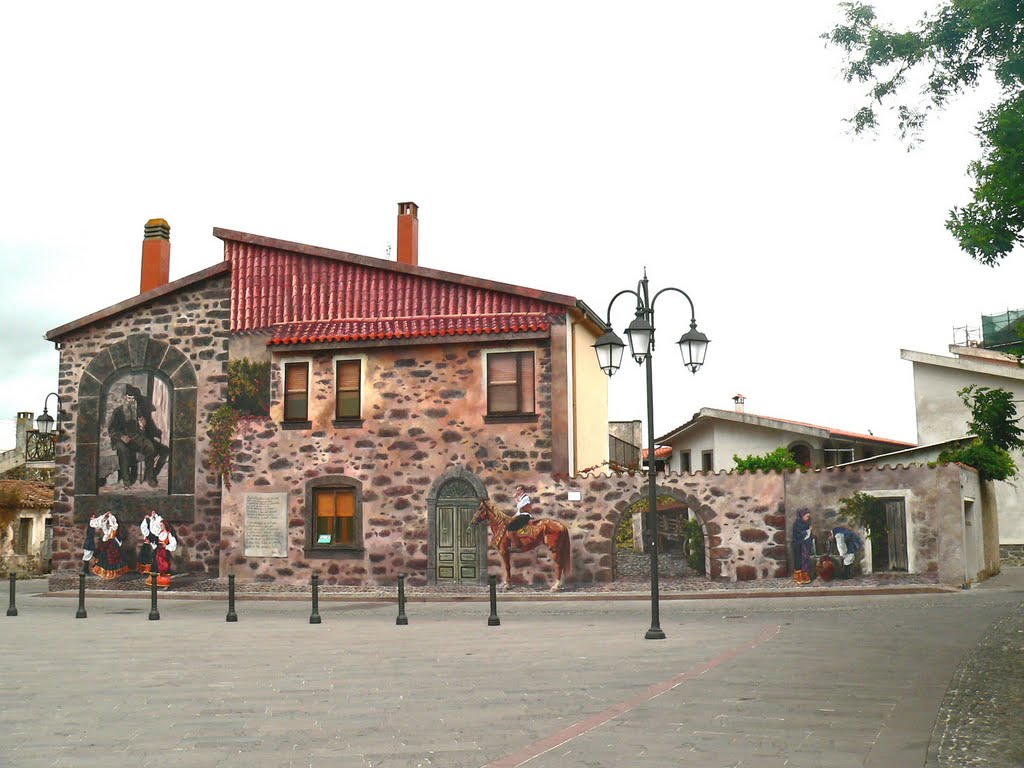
{"type": "Point", "coordinates": [527, 537]}
{"type": "Point", "coordinates": [135, 434]}
{"type": "Point", "coordinates": [110, 553]}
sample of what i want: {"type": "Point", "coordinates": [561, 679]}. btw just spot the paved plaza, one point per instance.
{"type": "Point", "coordinates": [823, 680]}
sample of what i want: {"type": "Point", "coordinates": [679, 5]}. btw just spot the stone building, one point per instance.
{"type": "Point", "coordinates": [399, 397]}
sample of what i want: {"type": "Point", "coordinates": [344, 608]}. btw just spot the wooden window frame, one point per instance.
{"type": "Point", "coordinates": [293, 423]}
{"type": "Point", "coordinates": [519, 415]}
{"type": "Point", "coordinates": [333, 483]}
{"type": "Point", "coordinates": [348, 422]}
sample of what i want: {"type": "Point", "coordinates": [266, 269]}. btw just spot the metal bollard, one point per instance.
{"type": "Point", "coordinates": [402, 619]}
{"type": "Point", "coordinates": [232, 616]}
{"type": "Point", "coordinates": [81, 598]}
{"type": "Point", "coordinates": [13, 610]}
{"type": "Point", "coordinates": [154, 614]}
{"type": "Point", "coordinates": [314, 617]}
{"type": "Point", "coordinates": [493, 620]}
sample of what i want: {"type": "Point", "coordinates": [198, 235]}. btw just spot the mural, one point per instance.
{"type": "Point", "coordinates": [135, 435]}
{"type": "Point", "coordinates": [106, 558]}
{"type": "Point", "coordinates": [109, 555]}
{"type": "Point", "coordinates": [530, 536]}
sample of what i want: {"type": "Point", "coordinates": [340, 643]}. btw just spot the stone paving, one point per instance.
{"type": "Point", "coordinates": [981, 722]}
{"type": "Point", "coordinates": [822, 679]}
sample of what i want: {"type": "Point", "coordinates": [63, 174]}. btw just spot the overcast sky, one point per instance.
{"type": "Point", "coordinates": [561, 146]}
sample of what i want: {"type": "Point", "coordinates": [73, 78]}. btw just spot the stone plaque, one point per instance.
{"type": "Point", "coordinates": [266, 525]}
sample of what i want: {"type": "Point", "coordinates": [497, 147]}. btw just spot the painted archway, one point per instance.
{"type": "Point", "coordinates": [456, 551]}
{"type": "Point", "coordinates": [669, 499]}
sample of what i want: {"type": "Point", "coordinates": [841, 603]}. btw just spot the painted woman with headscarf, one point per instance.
{"type": "Point", "coordinates": [802, 547]}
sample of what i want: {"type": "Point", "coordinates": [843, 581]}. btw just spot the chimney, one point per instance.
{"type": "Point", "coordinates": [24, 424]}
{"type": "Point", "coordinates": [408, 234]}
{"type": "Point", "coordinates": [739, 400]}
{"type": "Point", "coordinates": [156, 255]}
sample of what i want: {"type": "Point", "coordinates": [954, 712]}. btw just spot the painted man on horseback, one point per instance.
{"type": "Point", "coordinates": [522, 517]}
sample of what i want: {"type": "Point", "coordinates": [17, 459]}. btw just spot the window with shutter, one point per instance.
{"type": "Point", "coordinates": [348, 381]}
{"type": "Point", "coordinates": [296, 391]}
{"type": "Point", "coordinates": [511, 385]}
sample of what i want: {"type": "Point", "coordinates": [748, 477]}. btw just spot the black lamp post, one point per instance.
{"type": "Point", "coordinates": [694, 346]}
{"type": "Point", "coordinates": [45, 422]}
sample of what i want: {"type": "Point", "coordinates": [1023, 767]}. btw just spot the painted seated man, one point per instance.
{"type": "Point", "coordinates": [133, 434]}
{"type": "Point", "coordinates": [522, 517]}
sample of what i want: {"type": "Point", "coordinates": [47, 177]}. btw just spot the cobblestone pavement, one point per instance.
{"type": "Point", "coordinates": [812, 681]}
{"type": "Point", "coordinates": [981, 722]}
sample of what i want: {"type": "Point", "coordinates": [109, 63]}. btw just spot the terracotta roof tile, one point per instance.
{"type": "Point", "coordinates": [34, 495]}
{"type": "Point", "coordinates": [407, 327]}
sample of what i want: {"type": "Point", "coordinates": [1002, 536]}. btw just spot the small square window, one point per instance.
{"type": "Point", "coordinates": [511, 384]}
{"type": "Point", "coordinates": [296, 391]}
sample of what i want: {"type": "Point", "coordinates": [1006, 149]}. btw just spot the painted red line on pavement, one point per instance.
{"type": "Point", "coordinates": [555, 740]}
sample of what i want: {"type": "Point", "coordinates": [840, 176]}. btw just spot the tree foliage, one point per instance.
{"type": "Point", "coordinates": [952, 48]}
{"type": "Point", "coordinates": [997, 430]}
{"type": "Point", "coordinates": [778, 460]}
{"type": "Point", "coordinates": [868, 513]}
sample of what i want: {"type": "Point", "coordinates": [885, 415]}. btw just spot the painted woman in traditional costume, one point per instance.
{"type": "Point", "coordinates": [107, 562]}
{"type": "Point", "coordinates": [166, 543]}
{"type": "Point", "coordinates": [802, 547]}
{"type": "Point", "coordinates": [147, 550]}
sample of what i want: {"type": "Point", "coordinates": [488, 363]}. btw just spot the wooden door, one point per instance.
{"type": "Point", "coordinates": [457, 559]}
{"type": "Point", "coordinates": [896, 522]}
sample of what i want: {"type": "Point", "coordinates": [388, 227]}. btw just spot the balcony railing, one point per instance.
{"type": "Point", "coordinates": [39, 446]}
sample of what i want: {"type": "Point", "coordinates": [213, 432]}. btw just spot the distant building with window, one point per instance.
{"type": "Point", "coordinates": [708, 441]}
{"type": "Point", "coordinates": [400, 396]}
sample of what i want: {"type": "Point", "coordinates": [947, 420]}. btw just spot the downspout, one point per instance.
{"type": "Point", "coordinates": [574, 442]}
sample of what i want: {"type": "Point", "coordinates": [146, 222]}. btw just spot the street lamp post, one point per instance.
{"type": "Point", "coordinates": [693, 345]}
{"type": "Point", "coordinates": [45, 422]}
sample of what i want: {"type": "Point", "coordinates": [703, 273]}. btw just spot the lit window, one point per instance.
{"type": "Point", "coordinates": [335, 517]}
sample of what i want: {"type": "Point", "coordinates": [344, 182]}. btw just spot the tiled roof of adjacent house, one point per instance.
{"type": "Point", "coordinates": [660, 452]}
{"type": "Point", "coordinates": [32, 494]}
{"type": "Point", "coordinates": [407, 327]}
{"type": "Point", "coordinates": [309, 294]}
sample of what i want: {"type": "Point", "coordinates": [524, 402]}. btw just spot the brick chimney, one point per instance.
{"type": "Point", "coordinates": [156, 255]}
{"type": "Point", "coordinates": [24, 424]}
{"type": "Point", "coordinates": [408, 234]}
{"type": "Point", "coordinates": [739, 400]}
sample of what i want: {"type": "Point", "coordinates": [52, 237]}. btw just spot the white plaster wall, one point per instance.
{"type": "Point", "coordinates": [727, 439]}
{"type": "Point", "coordinates": [941, 415]}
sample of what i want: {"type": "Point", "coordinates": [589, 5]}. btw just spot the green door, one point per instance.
{"type": "Point", "coordinates": [456, 544]}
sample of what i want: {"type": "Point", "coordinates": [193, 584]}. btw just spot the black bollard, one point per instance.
{"type": "Point", "coordinates": [13, 610]}
{"type": "Point", "coordinates": [81, 598]}
{"type": "Point", "coordinates": [232, 616]}
{"type": "Point", "coordinates": [314, 617]}
{"type": "Point", "coordinates": [154, 614]}
{"type": "Point", "coordinates": [493, 620]}
{"type": "Point", "coordinates": [402, 619]}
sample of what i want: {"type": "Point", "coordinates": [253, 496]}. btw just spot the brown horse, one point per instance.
{"type": "Point", "coordinates": [550, 532]}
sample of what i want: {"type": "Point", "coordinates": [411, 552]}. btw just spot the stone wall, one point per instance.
{"type": "Point", "coordinates": [933, 507]}
{"type": "Point", "coordinates": [423, 409]}
{"type": "Point", "coordinates": [193, 322]}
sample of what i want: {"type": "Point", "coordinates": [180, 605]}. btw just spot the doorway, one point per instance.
{"type": "Point", "coordinates": [892, 554]}
{"type": "Point", "coordinates": [458, 554]}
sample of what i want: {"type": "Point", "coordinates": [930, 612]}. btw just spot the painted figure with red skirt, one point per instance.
{"type": "Point", "coordinates": [107, 562]}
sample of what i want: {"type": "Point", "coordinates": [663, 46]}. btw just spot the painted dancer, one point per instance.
{"type": "Point", "coordinates": [147, 550]}
{"type": "Point", "coordinates": [108, 561]}
{"type": "Point", "coordinates": [89, 549]}
{"type": "Point", "coordinates": [522, 517]}
{"type": "Point", "coordinates": [166, 543]}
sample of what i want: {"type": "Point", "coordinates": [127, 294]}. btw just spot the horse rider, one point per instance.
{"type": "Point", "coordinates": [523, 515]}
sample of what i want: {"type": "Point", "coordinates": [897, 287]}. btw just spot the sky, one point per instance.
{"type": "Point", "coordinates": [563, 146]}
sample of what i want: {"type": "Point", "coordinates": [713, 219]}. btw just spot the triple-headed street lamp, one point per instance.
{"type": "Point", "coordinates": [694, 346]}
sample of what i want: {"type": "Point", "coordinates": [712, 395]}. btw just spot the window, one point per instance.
{"type": "Point", "coordinates": [296, 392]}
{"type": "Point", "coordinates": [510, 385]}
{"type": "Point", "coordinates": [335, 517]}
{"type": "Point", "coordinates": [684, 462]}
{"type": "Point", "coordinates": [707, 461]}
{"type": "Point", "coordinates": [347, 392]}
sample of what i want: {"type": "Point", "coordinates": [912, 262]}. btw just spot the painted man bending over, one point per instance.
{"type": "Point", "coordinates": [524, 513]}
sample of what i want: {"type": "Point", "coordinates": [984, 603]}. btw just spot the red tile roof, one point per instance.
{"type": "Point", "coordinates": [660, 452]}
{"type": "Point", "coordinates": [407, 327]}
{"type": "Point", "coordinates": [313, 294]}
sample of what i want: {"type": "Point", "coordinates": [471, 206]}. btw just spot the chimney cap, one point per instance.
{"type": "Point", "coordinates": [408, 209]}
{"type": "Point", "coordinates": [158, 228]}
{"type": "Point", "coordinates": [739, 398]}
